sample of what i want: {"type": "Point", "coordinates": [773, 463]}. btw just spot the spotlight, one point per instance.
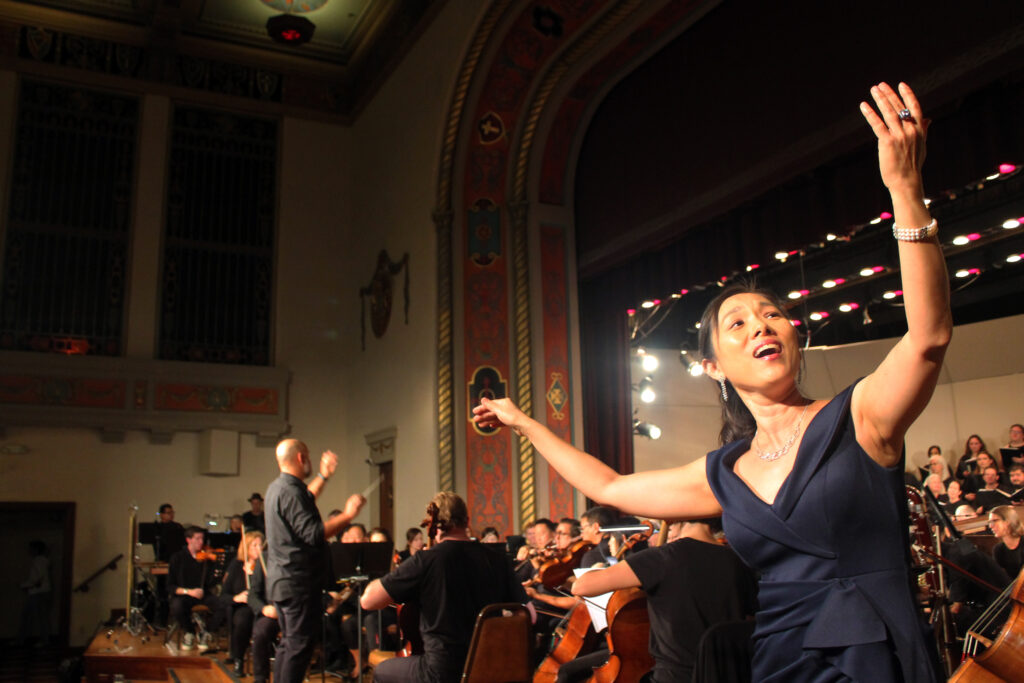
{"type": "Point", "coordinates": [846, 308]}
{"type": "Point", "coordinates": [1011, 224]}
{"type": "Point", "coordinates": [753, 266]}
{"type": "Point", "coordinates": [818, 315]}
{"type": "Point", "coordinates": [960, 240]}
{"type": "Point", "coordinates": [647, 304]}
{"type": "Point", "coordinates": [651, 431]}
{"type": "Point", "coordinates": [290, 29]}
{"type": "Point", "coordinates": [649, 363]}
{"type": "Point", "coordinates": [830, 237]}
{"type": "Point", "coordinates": [1007, 168]}
{"type": "Point", "coordinates": [1013, 258]}
{"type": "Point", "coordinates": [782, 255]}
{"type": "Point", "coordinates": [695, 369]}
{"type": "Point", "coordinates": [646, 387]}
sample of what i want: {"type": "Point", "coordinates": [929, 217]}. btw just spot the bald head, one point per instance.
{"type": "Point", "coordinates": [293, 458]}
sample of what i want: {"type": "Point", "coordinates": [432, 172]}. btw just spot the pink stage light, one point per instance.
{"type": "Point", "coordinates": [885, 215]}
{"type": "Point", "coordinates": [1007, 168]}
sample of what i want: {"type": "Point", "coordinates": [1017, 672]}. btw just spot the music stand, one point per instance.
{"type": "Point", "coordinates": [357, 563]}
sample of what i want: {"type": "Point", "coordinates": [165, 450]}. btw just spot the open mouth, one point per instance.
{"type": "Point", "coordinates": [768, 351]}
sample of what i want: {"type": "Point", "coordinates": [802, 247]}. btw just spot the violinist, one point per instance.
{"type": "Point", "coordinates": [190, 582]}
{"type": "Point", "coordinates": [567, 532]}
{"type": "Point", "coordinates": [541, 543]}
{"type": "Point", "coordinates": [452, 581]}
{"type": "Point", "coordinates": [691, 584]}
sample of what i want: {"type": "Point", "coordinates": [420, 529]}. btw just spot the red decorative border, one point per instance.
{"type": "Point", "coordinates": [558, 388]}
{"type": "Point", "coordinates": [75, 392]}
{"type": "Point", "coordinates": [199, 398]}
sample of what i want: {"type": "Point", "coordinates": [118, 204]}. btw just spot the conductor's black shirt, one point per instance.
{"type": "Point", "coordinates": [295, 540]}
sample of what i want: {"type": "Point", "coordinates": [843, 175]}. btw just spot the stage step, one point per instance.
{"type": "Point", "coordinates": [212, 675]}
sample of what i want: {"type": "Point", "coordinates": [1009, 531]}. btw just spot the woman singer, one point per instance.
{"type": "Point", "coordinates": [793, 473]}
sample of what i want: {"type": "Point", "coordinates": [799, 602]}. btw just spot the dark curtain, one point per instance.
{"type": "Point", "coordinates": [604, 341]}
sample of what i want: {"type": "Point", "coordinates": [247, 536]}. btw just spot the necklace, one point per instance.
{"type": "Point", "coordinates": [769, 456]}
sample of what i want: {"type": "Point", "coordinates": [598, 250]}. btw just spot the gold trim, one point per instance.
{"type": "Point", "coordinates": [443, 221]}
{"type": "Point", "coordinates": [519, 210]}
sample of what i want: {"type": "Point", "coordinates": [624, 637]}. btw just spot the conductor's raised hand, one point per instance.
{"type": "Point", "coordinates": [498, 412]}
{"type": "Point", "coordinates": [328, 463]}
{"type": "Point", "coordinates": [901, 141]}
{"type": "Point", "coordinates": [354, 504]}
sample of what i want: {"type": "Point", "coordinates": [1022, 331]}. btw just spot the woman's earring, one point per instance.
{"type": "Point", "coordinates": [725, 393]}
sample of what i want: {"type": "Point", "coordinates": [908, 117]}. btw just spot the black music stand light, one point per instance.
{"type": "Point", "coordinates": [357, 563]}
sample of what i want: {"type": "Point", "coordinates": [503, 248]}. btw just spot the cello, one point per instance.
{"type": "Point", "coordinates": [1003, 660]}
{"type": "Point", "coordinates": [579, 633]}
{"type": "Point", "coordinates": [629, 627]}
{"type": "Point", "coordinates": [408, 614]}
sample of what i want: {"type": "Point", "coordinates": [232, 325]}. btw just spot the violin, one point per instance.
{"type": "Point", "coordinates": [208, 554]}
{"type": "Point", "coordinates": [556, 571]}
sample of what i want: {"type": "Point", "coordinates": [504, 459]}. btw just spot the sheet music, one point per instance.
{"type": "Point", "coordinates": [597, 606]}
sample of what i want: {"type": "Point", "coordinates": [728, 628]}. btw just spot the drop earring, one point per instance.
{"type": "Point", "coordinates": [725, 393]}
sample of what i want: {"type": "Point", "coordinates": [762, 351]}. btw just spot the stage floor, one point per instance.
{"type": "Point", "coordinates": [147, 659]}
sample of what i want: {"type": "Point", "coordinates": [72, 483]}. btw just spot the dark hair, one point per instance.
{"type": "Point", "coordinates": [574, 525]}
{"type": "Point", "coordinates": [934, 448]}
{"type": "Point", "coordinates": [967, 446]}
{"type": "Point", "coordinates": [165, 507]}
{"type": "Point", "coordinates": [1020, 427]}
{"type": "Point", "coordinates": [546, 522]}
{"type": "Point", "coordinates": [412, 533]}
{"type": "Point", "coordinates": [604, 516]}
{"type": "Point", "coordinates": [490, 530]}
{"type": "Point", "coordinates": [1015, 466]}
{"type": "Point", "coordinates": [193, 530]}
{"type": "Point", "coordinates": [354, 525]}
{"type": "Point", "coordinates": [737, 421]}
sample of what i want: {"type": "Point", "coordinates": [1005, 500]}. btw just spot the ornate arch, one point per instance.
{"type": "Point", "coordinates": [533, 73]}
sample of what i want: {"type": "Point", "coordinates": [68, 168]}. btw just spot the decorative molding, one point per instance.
{"type": "Point", "coordinates": [115, 395]}
{"type": "Point", "coordinates": [382, 444]}
{"type": "Point", "coordinates": [443, 216]}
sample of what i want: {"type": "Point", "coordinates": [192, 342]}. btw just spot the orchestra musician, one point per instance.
{"type": "Point", "coordinates": [235, 596]}
{"type": "Point", "coordinates": [191, 581]}
{"type": "Point", "coordinates": [254, 519]}
{"type": "Point", "coordinates": [265, 627]}
{"type": "Point", "coordinates": [296, 552]}
{"type": "Point", "coordinates": [691, 584]}
{"type": "Point", "coordinates": [451, 582]}
{"type": "Point", "coordinates": [794, 475]}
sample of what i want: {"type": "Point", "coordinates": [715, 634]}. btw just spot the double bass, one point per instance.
{"type": "Point", "coordinates": [1003, 659]}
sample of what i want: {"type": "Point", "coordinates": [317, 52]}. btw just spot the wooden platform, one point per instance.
{"type": "Point", "coordinates": [141, 659]}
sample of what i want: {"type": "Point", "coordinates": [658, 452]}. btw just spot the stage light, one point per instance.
{"type": "Point", "coordinates": [992, 177]}
{"type": "Point", "coordinates": [1013, 258]}
{"type": "Point", "coordinates": [646, 387]}
{"type": "Point", "coordinates": [695, 369]}
{"type": "Point", "coordinates": [960, 240]}
{"type": "Point", "coordinates": [927, 202]}
{"type": "Point", "coordinates": [846, 308]}
{"type": "Point", "coordinates": [696, 326]}
{"type": "Point", "coordinates": [1011, 224]}
{"type": "Point", "coordinates": [631, 312]}
{"type": "Point", "coordinates": [1007, 168]}
{"type": "Point", "coordinates": [752, 266]}
{"type": "Point", "coordinates": [795, 323]}
{"type": "Point", "coordinates": [866, 271]}
{"type": "Point", "coordinates": [782, 255]}
{"type": "Point", "coordinates": [967, 272]}
{"type": "Point", "coordinates": [684, 291]}
{"type": "Point", "coordinates": [876, 221]}
{"type": "Point", "coordinates": [885, 215]}
{"type": "Point", "coordinates": [649, 363]}
{"type": "Point", "coordinates": [818, 315]}
{"type": "Point", "coordinates": [651, 431]}
{"type": "Point", "coordinates": [647, 304]}
{"type": "Point", "coordinates": [830, 237]}
{"type": "Point", "coordinates": [889, 295]}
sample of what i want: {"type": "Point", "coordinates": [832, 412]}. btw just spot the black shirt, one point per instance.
{"type": "Point", "coordinates": [184, 571]}
{"type": "Point", "coordinates": [1010, 560]}
{"type": "Point", "coordinates": [691, 585]}
{"type": "Point", "coordinates": [451, 582]}
{"type": "Point", "coordinates": [257, 589]}
{"type": "Point", "coordinates": [295, 540]}
{"type": "Point", "coordinates": [253, 522]}
{"type": "Point", "coordinates": [991, 498]}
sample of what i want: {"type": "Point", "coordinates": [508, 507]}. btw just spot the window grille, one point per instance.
{"type": "Point", "coordinates": [219, 239]}
{"type": "Point", "coordinates": [69, 221]}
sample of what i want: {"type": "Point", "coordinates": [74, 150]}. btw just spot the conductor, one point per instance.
{"type": "Point", "coordinates": [296, 552]}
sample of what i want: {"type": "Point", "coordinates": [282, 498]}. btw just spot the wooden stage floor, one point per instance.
{"type": "Point", "coordinates": [144, 659]}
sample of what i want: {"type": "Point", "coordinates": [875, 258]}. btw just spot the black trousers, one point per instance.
{"type": "Point", "coordinates": [397, 670]}
{"type": "Point", "coordinates": [264, 632]}
{"type": "Point", "coordinates": [181, 611]}
{"type": "Point", "coordinates": [241, 629]}
{"type": "Point", "coordinates": [299, 618]}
